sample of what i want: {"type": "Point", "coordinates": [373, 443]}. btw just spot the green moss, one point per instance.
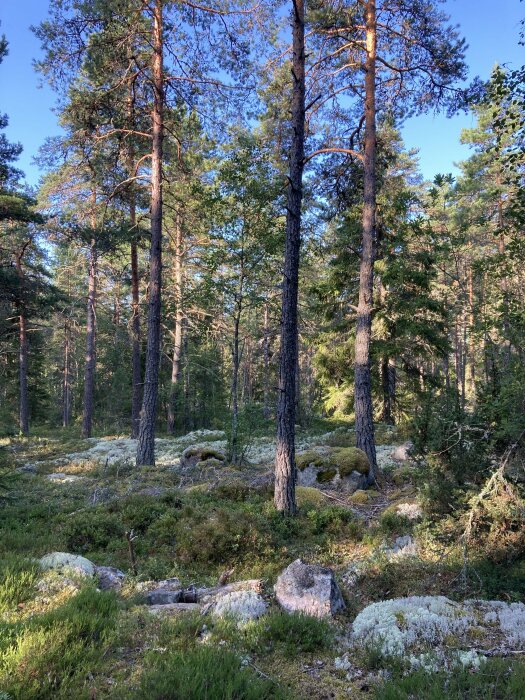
{"type": "Point", "coordinates": [309, 496]}
{"type": "Point", "coordinates": [359, 497]}
{"type": "Point", "coordinates": [304, 459]}
{"type": "Point", "coordinates": [326, 475]}
{"type": "Point", "coordinates": [212, 454]}
{"type": "Point", "coordinates": [348, 460]}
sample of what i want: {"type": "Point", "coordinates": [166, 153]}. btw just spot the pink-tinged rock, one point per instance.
{"type": "Point", "coordinates": [309, 589]}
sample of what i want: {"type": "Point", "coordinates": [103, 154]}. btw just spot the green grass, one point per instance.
{"type": "Point", "coordinates": [17, 581]}
{"type": "Point", "coordinates": [205, 673]}
{"type": "Point", "coordinates": [498, 679]}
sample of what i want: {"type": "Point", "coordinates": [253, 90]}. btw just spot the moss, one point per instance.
{"type": "Point", "coordinates": [402, 475]}
{"type": "Point", "coordinates": [211, 454]}
{"type": "Point", "coordinates": [309, 496]}
{"type": "Point", "coordinates": [210, 463]}
{"type": "Point", "coordinates": [348, 460]}
{"type": "Point", "coordinates": [326, 475]}
{"type": "Point", "coordinates": [359, 497]}
{"type": "Point", "coordinates": [304, 459]}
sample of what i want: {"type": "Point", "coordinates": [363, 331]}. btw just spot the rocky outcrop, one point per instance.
{"type": "Point", "coordinates": [242, 606]}
{"type": "Point", "coordinates": [64, 562]}
{"type": "Point", "coordinates": [109, 578]}
{"type": "Point", "coordinates": [309, 589]}
{"type": "Point", "coordinates": [343, 468]}
{"type": "Point", "coordinates": [201, 457]}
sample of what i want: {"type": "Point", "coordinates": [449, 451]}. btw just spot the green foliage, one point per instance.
{"type": "Point", "coordinates": [293, 634]}
{"type": "Point", "coordinates": [17, 580]}
{"type": "Point", "coordinates": [391, 523]}
{"type": "Point", "coordinates": [497, 678]}
{"type": "Point", "coordinates": [204, 672]}
{"type": "Point", "coordinates": [48, 655]}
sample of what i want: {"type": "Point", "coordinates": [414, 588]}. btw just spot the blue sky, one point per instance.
{"type": "Point", "coordinates": [491, 30]}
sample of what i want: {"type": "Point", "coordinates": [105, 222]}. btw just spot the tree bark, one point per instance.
{"type": "Point", "coordinates": [388, 382]}
{"type": "Point", "coordinates": [136, 369]}
{"type": "Point", "coordinates": [266, 362]}
{"type": "Point", "coordinates": [22, 350]}
{"type": "Point", "coordinates": [233, 456]}
{"type": "Point", "coordinates": [91, 342]}
{"type": "Point", "coordinates": [177, 339]}
{"type": "Point", "coordinates": [285, 469]}
{"type": "Point", "coordinates": [364, 419]}
{"type": "Point", "coordinates": [66, 381]}
{"type": "Point", "coordinates": [146, 441]}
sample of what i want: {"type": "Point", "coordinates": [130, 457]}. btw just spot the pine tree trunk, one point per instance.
{"type": "Point", "coordinates": [22, 350]}
{"type": "Point", "coordinates": [146, 441]}
{"type": "Point", "coordinates": [136, 369]}
{"type": "Point", "coordinates": [24, 394]}
{"type": "Point", "coordinates": [266, 363]}
{"type": "Point", "coordinates": [472, 349]}
{"type": "Point", "coordinates": [177, 340]}
{"type": "Point", "coordinates": [233, 456]}
{"type": "Point", "coordinates": [66, 381]}
{"type": "Point", "coordinates": [91, 333]}
{"type": "Point", "coordinates": [364, 420]}
{"type": "Point", "coordinates": [285, 470]}
{"type": "Point", "coordinates": [388, 382]}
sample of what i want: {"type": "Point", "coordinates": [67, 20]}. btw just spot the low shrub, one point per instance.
{"type": "Point", "coordinates": [205, 672]}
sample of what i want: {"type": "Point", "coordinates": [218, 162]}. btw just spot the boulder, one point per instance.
{"type": "Point", "coordinates": [109, 578]}
{"type": "Point", "coordinates": [62, 561]}
{"type": "Point", "coordinates": [166, 592]}
{"type": "Point", "coordinates": [163, 596]}
{"type": "Point", "coordinates": [309, 589]}
{"type": "Point", "coordinates": [201, 456]}
{"type": "Point", "coordinates": [240, 605]}
{"type": "Point", "coordinates": [404, 546]}
{"type": "Point", "coordinates": [402, 452]}
{"type": "Point", "coordinates": [344, 468]}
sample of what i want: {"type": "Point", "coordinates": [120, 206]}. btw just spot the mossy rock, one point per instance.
{"type": "Point", "coordinates": [326, 475]}
{"type": "Point", "coordinates": [309, 496]}
{"type": "Point", "coordinates": [201, 457]}
{"type": "Point", "coordinates": [210, 463]}
{"type": "Point", "coordinates": [402, 475]}
{"type": "Point", "coordinates": [359, 497]}
{"type": "Point", "coordinates": [304, 459]}
{"type": "Point", "coordinates": [348, 460]}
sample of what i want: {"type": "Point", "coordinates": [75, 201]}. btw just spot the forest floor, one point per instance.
{"type": "Point", "coordinates": [62, 638]}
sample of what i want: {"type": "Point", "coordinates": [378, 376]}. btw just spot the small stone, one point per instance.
{"type": "Point", "coordinates": [62, 478]}
{"type": "Point", "coordinates": [402, 452]}
{"type": "Point", "coordinates": [309, 589]}
{"type": "Point", "coordinates": [109, 578]}
{"type": "Point", "coordinates": [163, 596]}
{"type": "Point", "coordinates": [341, 663]}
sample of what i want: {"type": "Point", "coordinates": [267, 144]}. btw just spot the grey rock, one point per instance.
{"type": "Point", "coordinates": [404, 546]}
{"type": "Point", "coordinates": [62, 561]}
{"type": "Point", "coordinates": [353, 481]}
{"type": "Point", "coordinates": [240, 605]}
{"type": "Point", "coordinates": [402, 452]}
{"type": "Point", "coordinates": [172, 608]}
{"type": "Point", "coordinates": [27, 469]}
{"type": "Point", "coordinates": [109, 578]}
{"type": "Point", "coordinates": [163, 596]}
{"type": "Point", "coordinates": [60, 477]}
{"type": "Point", "coordinates": [309, 589]}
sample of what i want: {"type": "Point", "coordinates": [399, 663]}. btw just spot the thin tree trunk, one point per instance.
{"type": "Point", "coordinates": [177, 340]}
{"type": "Point", "coordinates": [66, 382]}
{"type": "Point", "coordinates": [233, 456]}
{"type": "Point", "coordinates": [266, 362]}
{"type": "Point", "coordinates": [285, 470]}
{"type": "Point", "coordinates": [471, 346]}
{"type": "Point", "coordinates": [22, 348]}
{"type": "Point", "coordinates": [388, 382]}
{"type": "Point", "coordinates": [364, 419]}
{"type": "Point", "coordinates": [91, 333]}
{"type": "Point", "coordinates": [146, 441]}
{"type": "Point", "coordinates": [187, 409]}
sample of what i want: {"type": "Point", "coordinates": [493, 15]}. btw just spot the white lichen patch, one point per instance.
{"type": "Point", "coordinates": [422, 625]}
{"type": "Point", "coordinates": [411, 511]}
{"type": "Point", "coordinates": [240, 605]}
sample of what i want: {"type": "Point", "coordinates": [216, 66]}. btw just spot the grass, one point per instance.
{"type": "Point", "coordinates": [497, 679]}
